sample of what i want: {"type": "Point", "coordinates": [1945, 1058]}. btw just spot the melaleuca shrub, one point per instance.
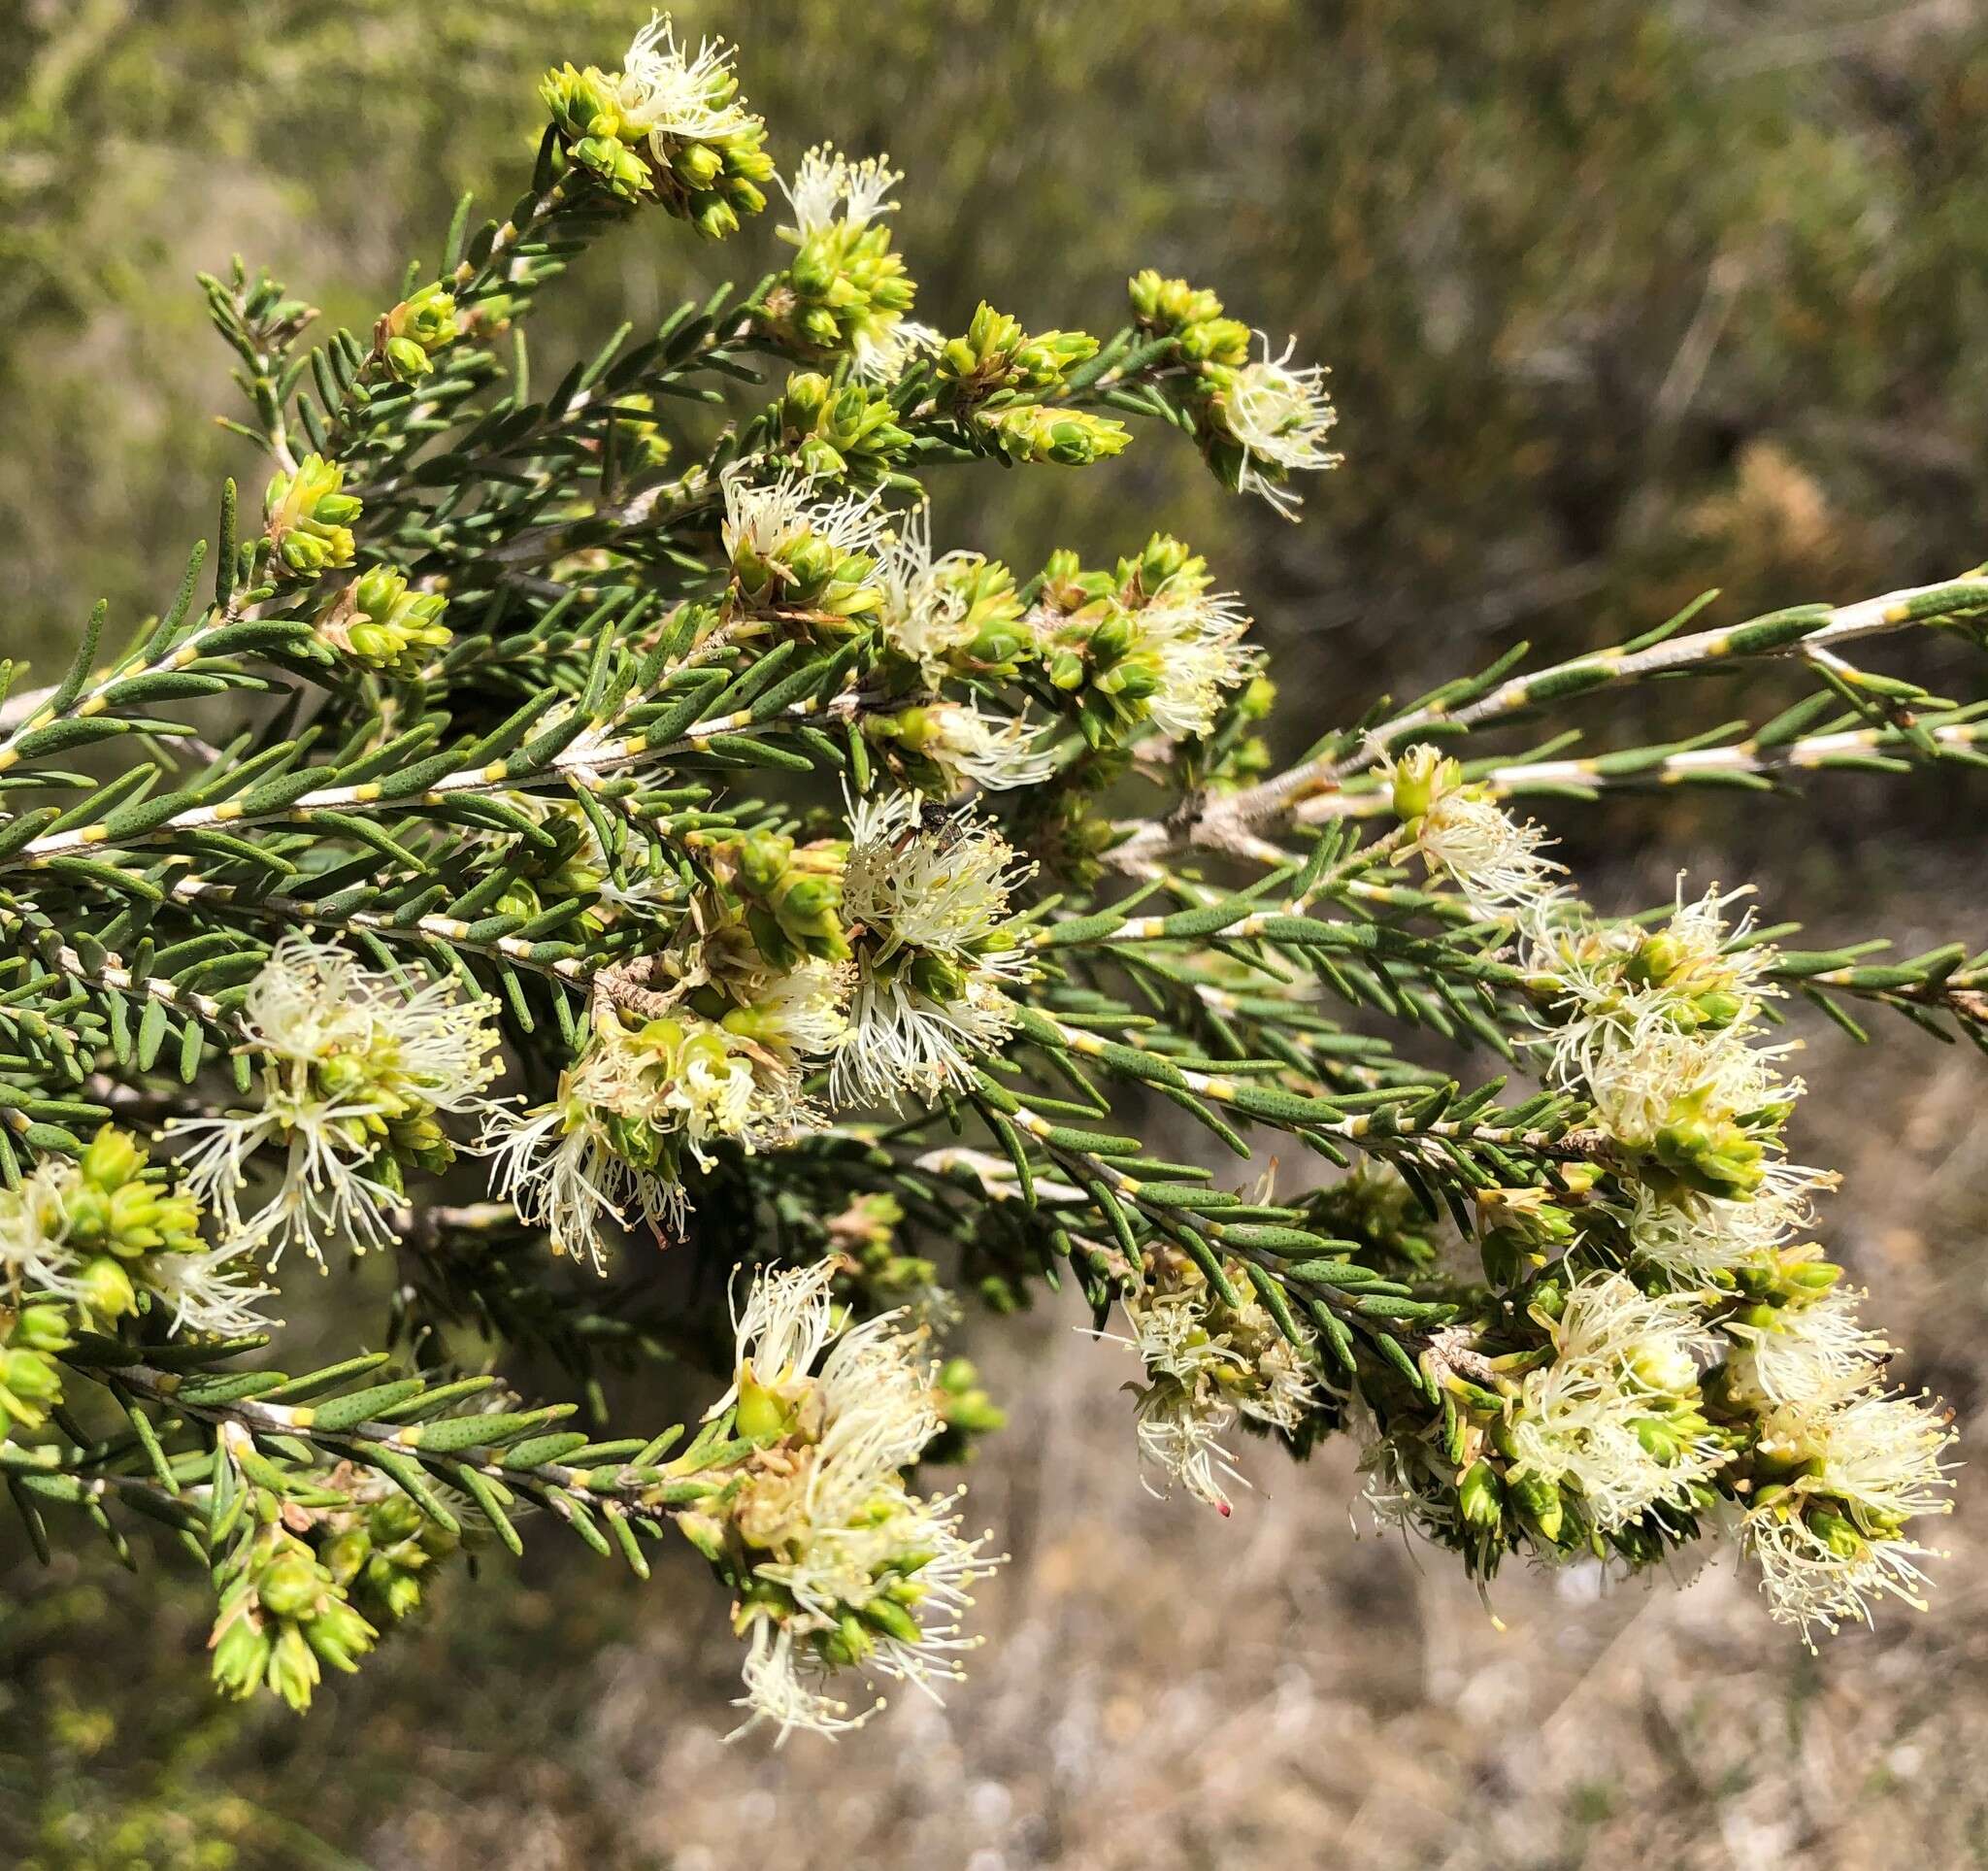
{"type": "Point", "coordinates": [631, 873]}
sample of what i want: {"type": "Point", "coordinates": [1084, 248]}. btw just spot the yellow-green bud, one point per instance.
{"type": "Point", "coordinates": [308, 519]}
{"type": "Point", "coordinates": [106, 1291]}
{"type": "Point", "coordinates": [1480, 1498]}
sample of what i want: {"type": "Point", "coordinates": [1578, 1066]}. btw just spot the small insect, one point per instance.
{"type": "Point", "coordinates": [934, 822]}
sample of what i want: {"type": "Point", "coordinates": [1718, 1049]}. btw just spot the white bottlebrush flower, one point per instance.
{"type": "Point", "coordinates": [1496, 861]}
{"type": "Point", "coordinates": [215, 1292]}
{"type": "Point", "coordinates": [769, 517]}
{"type": "Point", "coordinates": [1209, 1364]}
{"type": "Point", "coordinates": [1281, 418]}
{"type": "Point", "coordinates": [925, 608]}
{"type": "Point", "coordinates": [1180, 1434]}
{"type": "Point", "coordinates": [883, 349]}
{"type": "Point", "coordinates": [997, 753]}
{"type": "Point", "coordinates": [1491, 857]}
{"type": "Point", "coordinates": [324, 1197]}
{"type": "Point", "coordinates": [1637, 1087]}
{"type": "Point", "coordinates": [785, 1322]}
{"type": "Point", "coordinates": [1830, 1538]}
{"type": "Point", "coordinates": [1883, 1456]}
{"type": "Point", "coordinates": [1713, 945]}
{"type": "Point", "coordinates": [1700, 1238]}
{"type": "Point", "coordinates": [1618, 987]}
{"type": "Point", "coordinates": [1615, 1412]}
{"type": "Point", "coordinates": [802, 1014]}
{"type": "Point", "coordinates": [559, 1167]}
{"type": "Point", "coordinates": [827, 187]}
{"type": "Point", "coordinates": [345, 1052]}
{"type": "Point", "coordinates": [1806, 1352]}
{"type": "Point", "coordinates": [34, 1255]}
{"type": "Point", "coordinates": [1194, 639]}
{"type": "Point", "coordinates": [1812, 1579]}
{"type": "Point", "coordinates": [939, 884]}
{"type": "Point", "coordinates": [904, 1040]}
{"type": "Point", "coordinates": [632, 1106]}
{"type": "Point", "coordinates": [847, 1544]}
{"type": "Point", "coordinates": [669, 92]}
{"type": "Point", "coordinates": [927, 893]}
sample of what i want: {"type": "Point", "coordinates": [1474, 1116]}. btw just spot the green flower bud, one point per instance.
{"type": "Point", "coordinates": [88, 1212]}
{"type": "Point", "coordinates": [289, 1586]}
{"type": "Point", "coordinates": [30, 1376]}
{"type": "Point", "coordinates": [1421, 777]}
{"type": "Point", "coordinates": [582, 103]}
{"type": "Point", "coordinates": [763, 1415]}
{"type": "Point", "coordinates": [293, 1672]}
{"type": "Point", "coordinates": [380, 623]}
{"type": "Point", "coordinates": [1481, 1497]}
{"type": "Point", "coordinates": [309, 519]}
{"type": "Point", "coordinates": [697, 165]}
{"type": "Point", "coordinates": [618, 168]}
{"type": "Point", "coordinates": [106, 1291]}
{"type": "Point", "coordinates": [1538, 1501]}
{"type": "Point", "coordinates": [340, 1635]}
{"type": "Point", "coordinates": [892, 1620]}
{"type": "Point", "coordinates": [1068, 438]}
{"type": "Point", "coordinates": [114, 1158]}
{"type": "Point", "coordinates": [406, 360]}
{"type": "Point", "coordinates": [240, 1658]}
{"type": "Point", "coordinates": [41, 1327]}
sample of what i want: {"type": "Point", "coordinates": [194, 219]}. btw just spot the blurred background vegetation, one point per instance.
{"type": "Point", "coordinates": [1622, 301]}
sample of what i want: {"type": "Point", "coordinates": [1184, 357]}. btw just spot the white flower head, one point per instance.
{"type": "Point", "coordinates": [935, 882]}
{"type": "Point", "coordinates": [828, 188]}
{"type": "Point", "coordinates": [1812, 1580]}
{"type": "Point", "coordinates": [901, 1040]}
{"type": "Point", "coordinates": [668, 91]}
{"type": "Point", "coordinates": [1180, 1433]}
{"type": "Point", "coordinates": [802, 1014]}
{"type": "Point", "coordinates": [1209, 1364]}
{"type": "Point", "coordinates": [883, 349]}
{"type": "Point", "coordinates": [1195, 639]}
{"type": "Point", "coordinates": [998, 754]}
{"type": "Point", "coordinates": [211, 1291]}
{"type": "Point", "coordinates": [1496, 861]}
{"type": "Point", "coordinates": [1884, 1456]}
{"type": "Point", "coordinates": [34, 1255]}
{"type": "Point", "coordinates": [1281, 418]}
{"type": "Point", "coordinates": [1808, 1353]}
{"type": "Point", "coordinates": [634, 1103]}
{"type": "Point", "coordinates": [1624, 1363]}
{"type": "Point", "coordinates": [786, 1321]}
{"type": "Point", "coordinates": [844, 1538]}
{"type": "Point", "coordinates": [1638, 1085]}
{"type": "Point", "coordinates": [1698, 1238]}
{"type": "Point", "coordinates": [927, 892]}
{"type": "Point", "coordinates": [766, 517]}
{"type": "Point", "coordinates": [1830, 1540]}
{"type": "Point", "coordinates": [559, 1167]}
{"type": "Point", "coordinates": [925, 615]}
{"type": "Point", "coordinates": [1620, 990]}
{"type": "Point", "coordinates": [344, 1051]}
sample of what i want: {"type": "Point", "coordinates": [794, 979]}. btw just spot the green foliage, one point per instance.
{"type": "Point", "coordinates": [734, 872]}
